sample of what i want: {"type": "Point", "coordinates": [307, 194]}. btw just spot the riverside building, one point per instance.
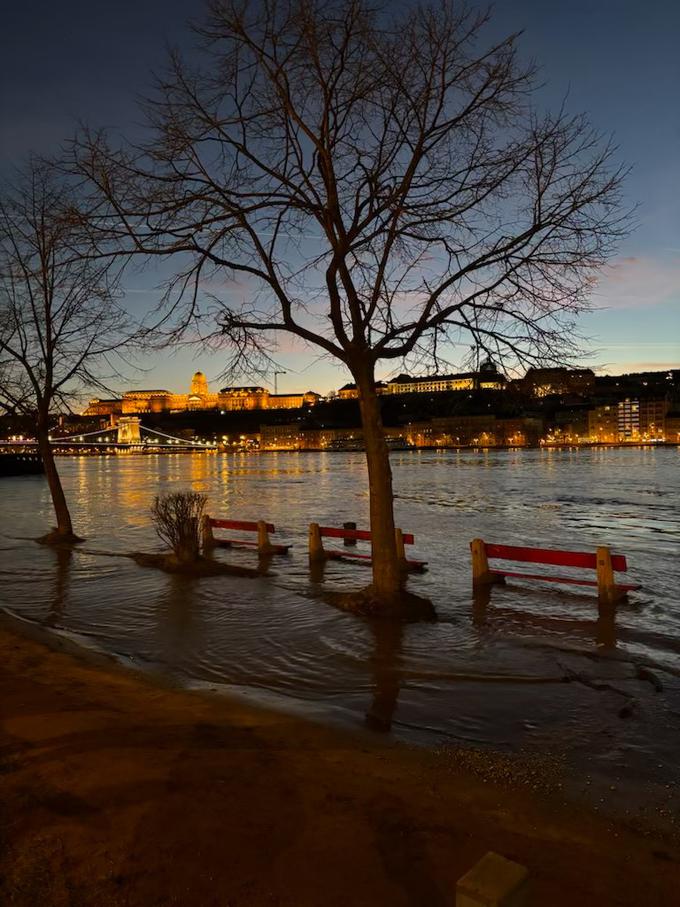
{"type": "Point", "coordinates": [487, 378]}
{"type": "Point", "coordinates": [631, 419]}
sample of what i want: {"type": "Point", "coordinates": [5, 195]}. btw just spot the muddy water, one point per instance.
{"type": "Point", "coordinates": [533, 668]}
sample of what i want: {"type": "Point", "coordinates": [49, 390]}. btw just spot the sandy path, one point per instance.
{"type": "Point", "coordinates": [115, 791]}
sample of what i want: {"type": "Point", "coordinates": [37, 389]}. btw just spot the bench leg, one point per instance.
{"type": "Point", "coordinates": [316, 549]}
{"type": "Point", "coordinates": [401, 548]}
{"type": "Point", "coordinates": [481, 575]}
{"type": "Point", "coordinates": [607, 591]}
{"type": "Point", "coordinates": [207, 537]}
{"type": "Point", "coordinates": [263, 543]}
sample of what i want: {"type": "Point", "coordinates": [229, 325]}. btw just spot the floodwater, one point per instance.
{"type": "Point", "coordinates": [534, 668]}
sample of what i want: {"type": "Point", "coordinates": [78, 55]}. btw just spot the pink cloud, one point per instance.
{"type": "Point", "coordinates": [649, 366]}
{"type": "Point", "coordinates": [638, 282]}
{"type": "Point", "coordinates": [221, 282]}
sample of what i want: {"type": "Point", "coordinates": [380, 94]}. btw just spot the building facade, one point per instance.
{"type": "Point", "coordinates": [158, 400]}
{"type": "Point", "coordinates": [631, 419]}
{"type": "Point", "coordinates": [546, 382]}
{"type": "Point", "coordinates": [475, 431]}
{"type": "Point", "coordinates": [603, 424]}
{"type": "Point", "coordinates": [487, 378]}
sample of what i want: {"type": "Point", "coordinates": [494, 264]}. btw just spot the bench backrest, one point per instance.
{"type": "Point", "coordinates": [240, 525]}
{"type": "Point", "coordinates": [583, 559]}
{"type": "Point", "coordinates": [360, 534]}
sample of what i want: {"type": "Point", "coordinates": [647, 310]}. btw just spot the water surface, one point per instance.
{"type": "Point", "coordinates": [487, 673]}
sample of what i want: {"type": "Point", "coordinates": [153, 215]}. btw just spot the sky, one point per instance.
{"type": "Point", "coordinates": [618, 60]}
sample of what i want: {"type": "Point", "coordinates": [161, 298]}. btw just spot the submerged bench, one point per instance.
{"type": "Point", "coordinates": [263, 544]}
{"type": "Point", "coordinates": [602, 561]}
{"type": "Point", "coordinates": [317, 552]}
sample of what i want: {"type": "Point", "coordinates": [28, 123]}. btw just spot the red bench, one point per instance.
{"type": "Point", "coordinates": [317, 552]}
{"type": "Point", "coordinates": [263, 544]}
{"type": "Point", "coordinates": [602, 561]}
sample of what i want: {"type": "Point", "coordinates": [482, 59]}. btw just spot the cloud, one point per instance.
{"type": "Point", "coordinates": [626, 366]}
{"type": "Point", "coordinates": [218, 283]}
{"type": "Point", "coordinates": [639, 282]}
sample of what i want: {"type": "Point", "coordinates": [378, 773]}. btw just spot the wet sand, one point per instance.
{"type": "Point", "coordinates": [117, 791]}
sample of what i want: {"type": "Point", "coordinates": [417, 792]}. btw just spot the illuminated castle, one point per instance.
{"type": "Point", "coordinates": [198, 398]}
{"type": "Point", "coordinates": [199, 386]}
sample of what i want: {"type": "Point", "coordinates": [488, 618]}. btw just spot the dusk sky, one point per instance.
{"type": "Point", "coordinates": [618, 60]}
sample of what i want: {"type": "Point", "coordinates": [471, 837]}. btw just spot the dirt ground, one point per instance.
{"type": "Point", "coordinates": [115, 791]}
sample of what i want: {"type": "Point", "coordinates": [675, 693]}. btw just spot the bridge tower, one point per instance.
{"type": "Point", "coordinates": [128, 430]}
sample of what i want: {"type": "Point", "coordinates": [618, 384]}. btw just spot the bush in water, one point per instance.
{"type": "Point", "coordinates": [177, 518]}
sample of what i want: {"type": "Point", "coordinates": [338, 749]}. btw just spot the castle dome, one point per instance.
{"type": "Point", "coordinates": [199, 385]}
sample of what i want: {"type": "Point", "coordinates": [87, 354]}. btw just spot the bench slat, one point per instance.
{"type": "Point", "coordinates": [560, 579]}
{"type": "Point", "coordinates": [245, 543]}
{"type": "Point", "coordinates": [549, 579]}
{"type": "Point", "coordinates": [552, 556]}
{"type": "Point", "coordinates": [332, 553]}
{"type": "Point", "coordinates": [331, 532]}
{"type": "Point", "coordinates": [240, 525]}
{"type": "Point", "coordinates": [364, 535]}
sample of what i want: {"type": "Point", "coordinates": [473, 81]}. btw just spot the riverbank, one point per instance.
{"type": "Point", "coordinates": [116, 791]}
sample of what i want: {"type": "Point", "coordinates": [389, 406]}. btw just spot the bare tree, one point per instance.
{"type": "Point", "coordinates": [380, 181]}
{"type": "Point", "coordinates": [60, 323]}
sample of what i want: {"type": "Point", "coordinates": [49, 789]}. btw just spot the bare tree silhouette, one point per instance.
{"type": "Point", "coordinates": [60, 322]}
{"type": "Point", "coordinates": [378, 181]}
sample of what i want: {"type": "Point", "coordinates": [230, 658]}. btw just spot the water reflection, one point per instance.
{"type": "Point", "coordinates": [605, 627]}
{"type": "Point", "coordinates": [317, 570]}
{"type": "Point", "coordinates": [481, 599]}
{"type": "Point", "coordinates": [551, 619]}
{"type": "Point", "coordinates": [179, 620]}
{"type": "Point", "coordinates": [62, 580]}
{"type": "Point", "coordinates": [385, 670]}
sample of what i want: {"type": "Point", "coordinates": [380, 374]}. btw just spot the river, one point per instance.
{"type": "Point", "coordinates": [533, 669]}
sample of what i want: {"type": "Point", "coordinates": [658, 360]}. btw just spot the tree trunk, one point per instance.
{"type": "Point", "coordinates": [387, 572]}
{"type": "Point", "coordinates": [64, 529]}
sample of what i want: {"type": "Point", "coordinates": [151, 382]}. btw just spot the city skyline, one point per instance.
{"type": "Point", "coordinates": [177, 386]}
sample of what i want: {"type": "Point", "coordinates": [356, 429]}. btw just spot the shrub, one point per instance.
{"type": "Point", "coordinates": [177, 518]}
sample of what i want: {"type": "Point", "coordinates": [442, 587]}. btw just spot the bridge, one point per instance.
{"type": "Point", "coordinates": [128, 436]}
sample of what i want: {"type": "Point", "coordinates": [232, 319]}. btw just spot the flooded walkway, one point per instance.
{"type": "Point", "coordinates": [533, 668]}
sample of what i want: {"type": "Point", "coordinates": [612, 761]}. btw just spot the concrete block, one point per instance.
{"type": "Point", "coordinates": [493, 882]}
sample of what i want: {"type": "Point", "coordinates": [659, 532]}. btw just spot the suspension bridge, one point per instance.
{"type": "Point", "coordinates": [128, 436]}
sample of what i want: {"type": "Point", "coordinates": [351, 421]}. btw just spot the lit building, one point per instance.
{"type": "Point", "coordinates": [291, 436]}
{"type": "Point", "coordinates": [487, 378]}
{"type": "Point", "coordinates": [475, 430]}
{"type": "Point", "coordinates": [672, 427]}
{"type": "Point", "coordinates": [545, 382]}
{"type": "Point", "coordinates": [642, 420]}
{"type": "Point", "coordinates": [628, 419]}
{"type": "Point", "coordinates": [199, 398]}
{"type": "Point", "coordinates": [240, 398]}
{"type": "Point", "coordinates": [292, 401]}
{"type": "Point", "coordinates": [350, 392]}
{"type": "Point", "coordinates": [110, 407]}
{"type": "Point", "coordinates": [157, 400]}
{"type": "Point", "coordinates": [653, 419]}
{"type": "Point", "coordinates": [603, 424]}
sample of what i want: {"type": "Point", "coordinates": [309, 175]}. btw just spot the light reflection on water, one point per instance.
{"type": "Point", "coordinates": [428, 681]}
